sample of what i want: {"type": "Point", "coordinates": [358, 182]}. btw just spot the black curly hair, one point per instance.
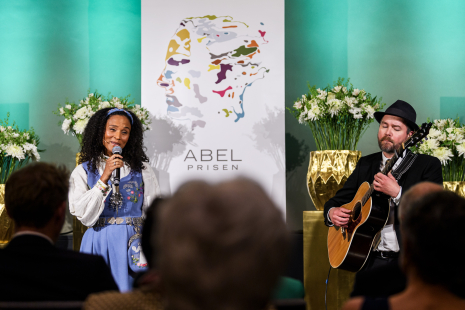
{"type": "Point", "coordinates": [92, 141]}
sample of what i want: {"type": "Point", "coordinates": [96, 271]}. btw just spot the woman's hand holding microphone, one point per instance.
{"type": "Point", "coordinates": [113, 162]}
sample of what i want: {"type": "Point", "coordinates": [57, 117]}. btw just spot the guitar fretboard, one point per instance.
{"type": "Point", "coordinates": [387, 168]}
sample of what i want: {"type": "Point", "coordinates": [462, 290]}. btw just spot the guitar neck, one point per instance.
{"type": "Point", "coordinates": [387, 168]}
{"type": "Point", "coordinates": [389, 164]}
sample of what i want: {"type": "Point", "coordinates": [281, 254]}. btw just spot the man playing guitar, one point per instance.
{"type": "Point", "coordinates": [397, 124]}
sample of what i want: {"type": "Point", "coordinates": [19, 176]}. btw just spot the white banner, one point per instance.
{"type": "Point", "coordinates": [213, 77]}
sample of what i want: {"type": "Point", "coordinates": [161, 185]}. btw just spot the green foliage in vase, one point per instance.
{"type": "Point", "coordinates": [337, 116]}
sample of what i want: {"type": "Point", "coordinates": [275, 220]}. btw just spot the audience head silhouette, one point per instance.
{"type": "Point", "coordinates": [430, 221]}
{"type": "Point", "coordinates": [221, 246]}
{"type": "Point", "coordinates": [149, 230]}
{"type": "Point", "coordinates": [35, 198]}
{"type": "Point", "coordinates": [432, 234]}
{"type": "Point", "coordinates": [415, 193]}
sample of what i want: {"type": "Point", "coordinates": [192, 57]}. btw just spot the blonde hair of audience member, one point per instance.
{"type": "Point", "coordinates": [220, 246]}
{"type": "Point", "coordinates": [432, 237]}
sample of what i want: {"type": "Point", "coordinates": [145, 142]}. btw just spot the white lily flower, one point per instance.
{"type": "Point", "coordinates": [322, 95]}
{"type": "Point", "coordinates": [14, 150]}
{"type": "Point", "coordinates": [370, 110]}
{"type": "Point", "coordinates": [433, 133]}
{"type": "Point", "coordinates": [65, 126]}
{"type": "Point", "coordinates": [443, 154]}
{"type": "Point", "coordinates": [80, 125]}
{"type": "Point", "coordinates": [81, 113]}
{"type": "Point", "coordinates": [461, 149]}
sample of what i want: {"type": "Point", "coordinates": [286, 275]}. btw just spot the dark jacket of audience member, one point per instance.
{"type": "Point", "coordinates": [31, 267]}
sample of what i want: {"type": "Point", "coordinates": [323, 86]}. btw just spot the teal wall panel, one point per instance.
{"type": "Point", "coordinates": [316, 52]}
{"type": "Point", "coordinates": [115, 47]}
{"type": "Point", "coordinates": [453, 107]}
{"type": "Point", "coordinates": [19, 112]}
{"type": "Point", "coordinates": [410, 50]}
{"type": "Point", "coordinates": [51, 50]}
{"type": "Point", "coordinates": [44, 59]}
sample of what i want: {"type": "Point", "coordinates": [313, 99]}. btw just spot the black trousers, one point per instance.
{"type": "Point", "coordinates": [379, 277]}
{"type": "Point", "coordinates": [374, 262]}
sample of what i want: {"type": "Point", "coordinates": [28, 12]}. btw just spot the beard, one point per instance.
{"type": "Point", "coordinates": [388, 148]}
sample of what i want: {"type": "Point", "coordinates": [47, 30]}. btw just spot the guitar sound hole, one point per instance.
{"type": "Point", "coordinates": [356, 211]}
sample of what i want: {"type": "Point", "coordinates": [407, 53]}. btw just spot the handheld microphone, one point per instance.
{"type": "Point", "coordinates": [117, 150]}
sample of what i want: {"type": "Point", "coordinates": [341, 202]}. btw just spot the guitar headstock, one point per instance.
{"type": "Point", "coordinates": [414, 139]}
{"type": "Point", "coordinates": [418, 135]}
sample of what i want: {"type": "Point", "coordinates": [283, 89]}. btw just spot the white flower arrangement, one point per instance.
{"type": "Point", "coordinates": [446, 141]}
{"type": "Point", "coordinates": [338, 115]}
{"type": "Point", "coordinates": [77, 115]}
{"type": "Point", "coordinates": [16, 148]}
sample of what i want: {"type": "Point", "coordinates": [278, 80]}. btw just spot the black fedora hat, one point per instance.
{"type": "Point", "coordinates": [401, 109]}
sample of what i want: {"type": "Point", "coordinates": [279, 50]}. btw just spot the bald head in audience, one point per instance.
{"type": "Point", "coordinates": [220, 246]}
{"type": "Point", "coordinates": [415, 193]}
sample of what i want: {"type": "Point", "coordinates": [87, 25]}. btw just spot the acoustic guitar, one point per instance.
{"type": "Point", "coordinates": [348, 248]}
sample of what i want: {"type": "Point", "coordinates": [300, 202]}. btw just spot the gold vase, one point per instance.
{"type": "Point", "coordinates": [78, 228]}
{"type": "Point", "coordinates": [327, 173]}
{"type": "Point", "coordinates": [6, 223]}
{"type": "Point", "coordinates": [456, 187]}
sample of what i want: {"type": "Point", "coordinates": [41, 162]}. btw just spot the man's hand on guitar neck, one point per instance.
{"type": "Point", "coordinates": [386, 184]}
{"type": "Point", "coordinates": [339, 216]}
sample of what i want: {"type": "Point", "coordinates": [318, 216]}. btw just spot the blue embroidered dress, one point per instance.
{"type": "Point", "coordinates": [109, 236]}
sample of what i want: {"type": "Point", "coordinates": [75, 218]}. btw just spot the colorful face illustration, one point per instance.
{"type": "Point", "coordinates": [210, 64]}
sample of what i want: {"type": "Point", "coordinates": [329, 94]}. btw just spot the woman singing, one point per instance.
{"type": "Point", "coordinates": [114, 221]}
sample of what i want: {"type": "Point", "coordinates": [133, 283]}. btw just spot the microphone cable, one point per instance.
{"type": "Point", "coordinates": [326, 289]}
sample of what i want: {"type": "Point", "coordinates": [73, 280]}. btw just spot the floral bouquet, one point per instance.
{"type": "Point", "coordinates": [338, 115]}
{"type": "Point", "coordinates": [16, 148]}
{"type": "Point", "coordinates": [77, 115]}
{"type": "Point", "coordinates": [446, 141]}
